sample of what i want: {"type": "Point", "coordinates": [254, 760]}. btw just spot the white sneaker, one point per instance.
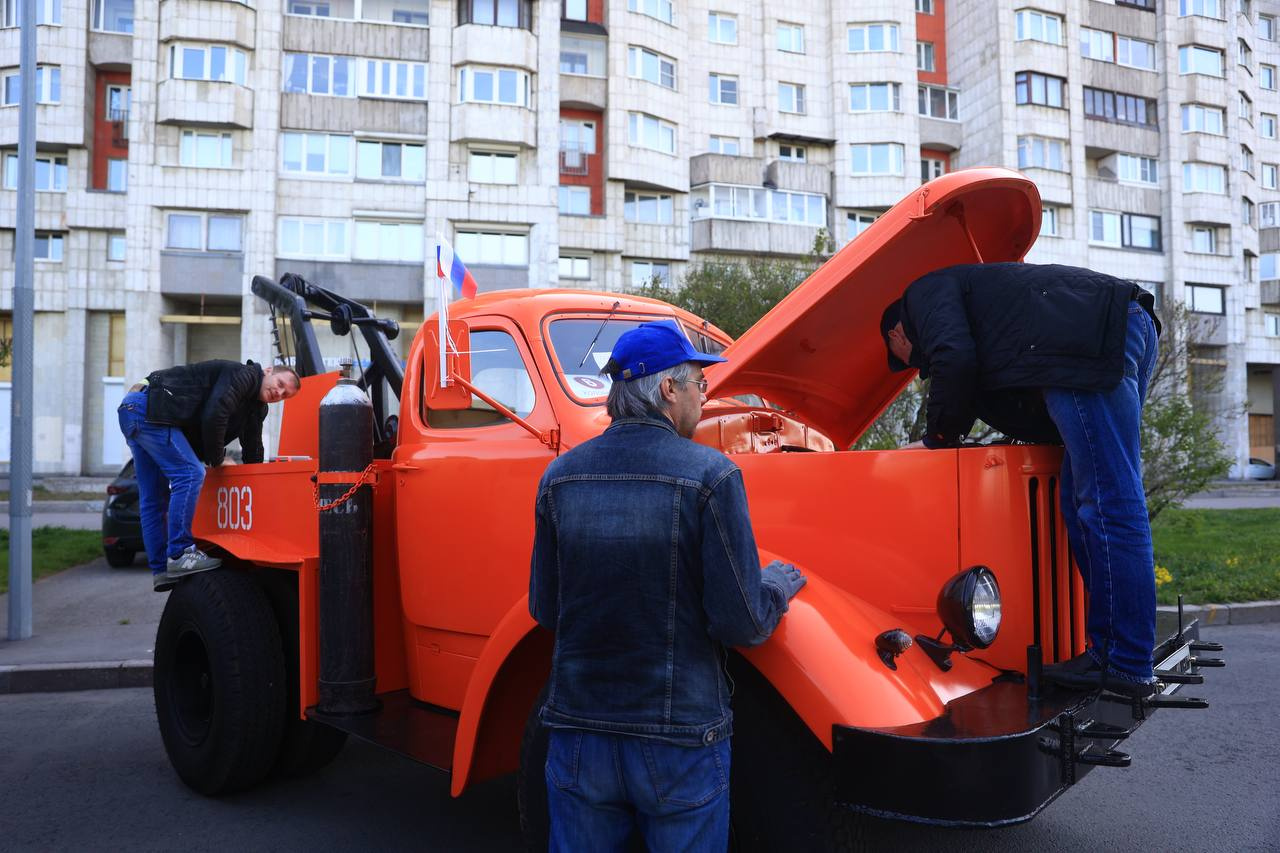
{"type": "Point", "coordinates": [191, 561]}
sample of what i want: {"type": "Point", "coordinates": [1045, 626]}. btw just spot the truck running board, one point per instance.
{"type": "Point", "coordinates": [403, 725]}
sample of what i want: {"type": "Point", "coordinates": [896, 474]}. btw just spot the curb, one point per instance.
{"type": "Point", "coordinates": [1246, 613]}
{"type": "Point", "coordinates": [58, 506]}
{"type": "Point", "coordinates": [59, 677]}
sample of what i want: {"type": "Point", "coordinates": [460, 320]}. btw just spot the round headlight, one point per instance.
{"type": "Point", "coordinates": [969, 606]}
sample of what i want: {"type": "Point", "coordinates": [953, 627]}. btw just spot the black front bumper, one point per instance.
{"type": "Point", "coordinates": [996, 757]}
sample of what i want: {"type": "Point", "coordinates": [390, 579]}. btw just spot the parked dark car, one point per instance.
{"type": "Point", "coordinates": [121, 526]}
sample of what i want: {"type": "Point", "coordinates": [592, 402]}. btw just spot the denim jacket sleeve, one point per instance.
{"type": "Point", "coordinates": [741, 610]}
{"type": "Point", "coordinates": [544, 570]}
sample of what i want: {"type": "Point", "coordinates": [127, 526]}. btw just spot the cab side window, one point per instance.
{"type": "Point", "coordinates": [496, 369]}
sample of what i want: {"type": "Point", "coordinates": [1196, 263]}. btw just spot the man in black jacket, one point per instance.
{"type": "Point", "coordinates": [175, 422]}
{"type": "Point", "coordinates": [1045, 354]}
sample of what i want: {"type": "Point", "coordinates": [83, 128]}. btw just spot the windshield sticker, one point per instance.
{"type": "Point", "coordinates": [586, 386]}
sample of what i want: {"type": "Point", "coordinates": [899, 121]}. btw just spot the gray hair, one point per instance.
{"type": "Point", "coordinates": [641, 397]}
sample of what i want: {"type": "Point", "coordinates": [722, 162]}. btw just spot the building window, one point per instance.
{"type": "Point", "coordinates": [938, 102]}
{"type": "Point", "coordinates": [1267, 27]}
{"type": "Point", "coordinates": [1203, 8]}
{"type": "Point", "coordinates": [388, 241]}
{"type": "Point", "coordinates": [1194, 59]}
{"type": "Point", "coordinates": [646, 131]}
{"type": "Point", "coordinates": [495, 248]}
{"type": "Point", "coordinates": [51, 172]}
{"type": "Point", "coordinates": [494, 167]}
{"type": "Point", "coordinates": [873, 38]}
{"type": "Point", "coordinates": [577, 140]}
{"type": "Point", "coordinates": [48, 13]}
{"type": "Point", "coordinates": [1268, 268]}
{"type": "Point", "coordinates": [924, 7]}
{"type": "Point", "coordinates": [724, 145]}
{"type": "Point", "coordinates": [1269, 216]}
{"type": "Point", "coordinates": [875, 97]}
{"type": "Point", "coordinates": [1135, 53]}
{"type": "Point", "coordinates": [115, 245]}
{"type": "Point", "coordinates": [1033, 88]}
{"type": "Point", "coordinates": [117, 105]}
{"type": "Point", "coordinates": [117, 175]}
{"type": "Point", "coordinates": [493, 86]}
{"type": "Point", "coordinates": [1271, 325]}
{"type": "Point", "coordinates": [858, 221]}
{"type": "Point", "coordinates": [1267, 125]}
{"type": "Point", "coordinates": [790, 37]}
{"type": "Point", "coordinates": [876, 158]}
{"type": "Point", "coordinates": [575, 200]}
{"type": "Point", "coordinates": [924, 56]}
{"type": "Point", "coordinates": [1041, 153]}
{"type": "Point", "coordinates": [723, 89]}
{"type": "Point", "coordinates": [1034, 25]}
{"type": "Point", "coordinates": [654, 67]}
{"type": "Point", "coordinates": [1269, 175]}
{"type": "Point", "coordinates": [930, 168]}
{"type": "Point", "coordinates": [113, 16]}
{"type": "Point", "coordinates": [1267, 77]}
{"type": "Point", "coordinates": [413, 12]}
{"type": "Point", "coordinates": [1246, 210]}
{"type": "Point", "coordinates": [722, 28]}
{"type": "Point", "coordinates": [660, 9]}
{"type": "Point", "coordinates": [791, 98]}
{"type": "Point", "coordinates": [582, 55]}
{"type": "Point", "coordinates": [572, 266]}
{"type": "Point", "coordinates": [1198, 118]}
{"type": "Point", "coordinates": [391, 161]}
{"type": "Point", "coordinates": [48, 86]}
{"type": "Point", "coordinates": [1124, 230]}
{"type": "Point", "coordinates": [1245, 107]}
{"type": "Point", "coordinates": [1204, 178]}
{"type": "Point", "coordinates": [1133, 169]}
{"type": "Point", "coordinates": [1246, 159]}
{"type": "Point", "coordinates": [495, 13]}
{"type": "Point", "coordinates": [792, 153]}
{"type": "Point", "coordinates": [48, 247]}
{"type": "Point", "coordinates": [315, 74]}
{"type": "Point", "coordinates": [1244, 54]}
{"type": "Point", "coordinates": [214, 63]}
{"type": "Point", "coordinates": [644, 273]}
{"type": "Point", "coordinates": [1102, 105]}
{"type": "Point", "coordinates": [1205, 299]}
{"type": "Point", "coordinates": [321, 154]}
{"type": "Point", "coordinates": [1096, 44]}
{"type": "Point", "coordinates": [648, 208]}
{"type": "Point", "coordinates": [203, 232]}
{"type": "Point", "coordinates": [1049, 217]}
{"type": "Point", "coordinates": [404, 81]}
{"type": "Point", "coordinates": [724, 201]}
{"type": "Point", "coordinates": [575, 10]}
{"type": "Point", "coordinates": [205, 149]}
{"type": "Point", "coordinates": [1204, 240]}
{"type": "Point", "coordinates": [309, 237]}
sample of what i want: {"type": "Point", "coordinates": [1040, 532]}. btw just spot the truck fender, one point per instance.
{"type": "Point", "coordinates": [513, 666]}
{"type": "Point", "coordinates": [823, 661]}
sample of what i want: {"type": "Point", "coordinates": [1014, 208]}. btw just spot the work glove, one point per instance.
{"type": "Point", "coordinates": [785, 577]}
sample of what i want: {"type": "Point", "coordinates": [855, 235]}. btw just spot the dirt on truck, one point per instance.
{"type": "Point", "coordinates": [388, 601]}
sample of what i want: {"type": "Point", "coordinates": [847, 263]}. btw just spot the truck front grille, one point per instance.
{"type": "Point", "coordinates": [1057, 591]}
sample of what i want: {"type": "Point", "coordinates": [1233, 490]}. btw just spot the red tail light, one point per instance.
{"type": "Point", "coordinates": [113, 489]}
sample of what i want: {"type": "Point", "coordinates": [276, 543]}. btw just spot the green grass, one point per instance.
{"type": "Point", "coordinates": [53, 549]}
{"type": "Point", "coordinates": [1217, 555]}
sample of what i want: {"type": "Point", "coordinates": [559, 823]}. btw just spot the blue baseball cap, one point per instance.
{"type": "Point", "coordinates": [652, 348]}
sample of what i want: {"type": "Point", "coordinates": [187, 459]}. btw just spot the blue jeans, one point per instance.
{"type": "Point", "coordinates": [600, 786]}
{"type": "Point", "coordinates": [161, 453]}
{"type": "Point", "coordinates": [1105, 509]}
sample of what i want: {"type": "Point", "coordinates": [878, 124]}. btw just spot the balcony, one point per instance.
{"type": "Point", "coordinates": [574, 161]}
{"type": "Point", "coordinates": [1208, 329]}
{"type": "Point", "coordinates": [119, 120]}
{"type": "Point", "coordinates": [1271, 292]}
{"type": "Point", "coordinates": [232, 23]}
{"type": "Point", "coordinates": [204, 103]}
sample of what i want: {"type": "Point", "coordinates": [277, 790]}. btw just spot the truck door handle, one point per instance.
{"type": "Point", "coordinates": [404, 466]}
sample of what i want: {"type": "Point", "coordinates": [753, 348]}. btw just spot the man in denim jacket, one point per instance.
{"type": "Point", "coordinates": [645, 567]}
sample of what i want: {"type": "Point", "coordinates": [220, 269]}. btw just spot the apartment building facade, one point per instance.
{"type": "Point", "coordinates": [187, 145]}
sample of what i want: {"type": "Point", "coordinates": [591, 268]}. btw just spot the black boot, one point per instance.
{"type": "Point", "coordinates": [1082, 672]}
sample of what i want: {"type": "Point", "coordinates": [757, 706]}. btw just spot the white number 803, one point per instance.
{"type": "Point", "coordinates": [235, 508]}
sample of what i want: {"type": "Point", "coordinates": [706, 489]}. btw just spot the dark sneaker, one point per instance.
{"type": "Point", "coordinates": [161, 582]}
{"type": "Point", "coordinates": [1082, 672]}
{"type": "Point", "coordinates": [191, 561]}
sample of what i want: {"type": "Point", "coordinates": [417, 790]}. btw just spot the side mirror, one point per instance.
{"type": "Point", "coordinates": [457, 361]}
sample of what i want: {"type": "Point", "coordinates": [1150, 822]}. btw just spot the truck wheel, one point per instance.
{"type": "Point", "coordinates": [219, 682]}
{"type": "Point", "coordinates": [531, 781]}
{"type": "Point", "coordinates": [119, 558]}
{"type": "Point", "coordinates": [782, 782]}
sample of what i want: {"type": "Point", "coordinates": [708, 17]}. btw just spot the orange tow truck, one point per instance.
{"type": "Point", "coordinates": [903, 683]}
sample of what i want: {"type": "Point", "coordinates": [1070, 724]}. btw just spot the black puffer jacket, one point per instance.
{"type": "Point", "coordinates": [213, 403]}
{"type": "Point", "coordinates": [991, 335]}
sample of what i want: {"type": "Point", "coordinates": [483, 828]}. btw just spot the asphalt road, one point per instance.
{"type": "Point", "coordinates": [86, 771]}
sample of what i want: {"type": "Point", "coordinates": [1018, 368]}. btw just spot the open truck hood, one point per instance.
{"type": "Point", "coordinates": [819, 353]}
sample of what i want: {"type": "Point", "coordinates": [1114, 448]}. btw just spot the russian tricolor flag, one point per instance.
{"type": "Point", "coordinates": [449, 267]}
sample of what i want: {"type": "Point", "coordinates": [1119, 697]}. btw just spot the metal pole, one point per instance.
{"type": "Point", "coordinates": [21, 415]}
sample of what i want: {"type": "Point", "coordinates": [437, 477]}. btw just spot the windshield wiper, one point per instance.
{"type": "Point", "coordinates": [606, 319]}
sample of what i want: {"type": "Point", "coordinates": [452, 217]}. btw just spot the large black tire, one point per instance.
{"type": "Point", "coordinates": [305, 747]}
{"type": "Point", "coordinates": [782, 779]}
{"type": "Point", "coordinates": [119, 558]}
{"type": "Point", "coordinates": [531, 781]}
{"type": "Point", "coordinates": [220, 682]}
